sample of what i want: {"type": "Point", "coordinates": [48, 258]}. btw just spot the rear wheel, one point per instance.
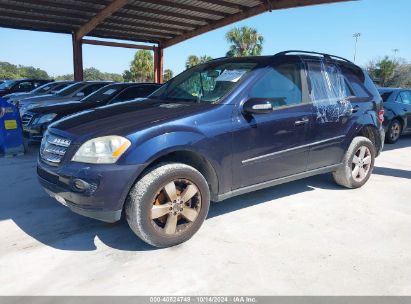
{"type": "Point", "coordinates": [168, 204]}
{"type": "Point", "coordinates": [393, 131]}
{"type": "Point", "coordinates": [357, 165]}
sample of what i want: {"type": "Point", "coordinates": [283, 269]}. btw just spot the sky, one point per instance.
{"type": "Point", "coordinates": [384, 25]}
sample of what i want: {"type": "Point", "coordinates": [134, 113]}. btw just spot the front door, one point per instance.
{"type": "Point", "coordinates": [273, 145]}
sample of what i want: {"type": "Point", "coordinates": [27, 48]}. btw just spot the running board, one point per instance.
{"type": "Point", "coordinates": [275, 182]}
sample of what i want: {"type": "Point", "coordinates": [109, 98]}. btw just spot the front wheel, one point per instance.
{"type": "Point", "coordinates": [168, 204]}
{"type": "Point", "coordinates": [357, 165]}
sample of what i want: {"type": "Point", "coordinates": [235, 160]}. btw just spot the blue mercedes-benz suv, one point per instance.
{"type": "Point", "coordinates": [220, 129]}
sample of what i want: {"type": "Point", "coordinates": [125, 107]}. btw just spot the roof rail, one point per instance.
{"type": "Point", "coordinates": [328, 56]}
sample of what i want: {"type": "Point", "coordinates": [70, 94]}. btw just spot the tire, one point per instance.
{"type": "Point", "coordinates": [152, 193]}
{"type": "Point", "coordinates": [350, 174]}
{"type": "Point", "coordinates": [393, 132]}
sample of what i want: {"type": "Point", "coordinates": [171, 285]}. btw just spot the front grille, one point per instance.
{"type": "Point", "coordinates": [53, 148]}
{"type": "Point", "coordinates": [26, 119]}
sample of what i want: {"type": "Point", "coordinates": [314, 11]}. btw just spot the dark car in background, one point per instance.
{"type": "Point", "coordinates": [48, 88]}
{"type": "Point", "coordinates": [21, 85]}
{"type": "Point", "coordinates": [36, 121]}
{"type": "Point", "coordinates": [76, 91]}
{"type": "Point", "coordinates": [397, 116]}
{"type": "Point", "coordinates": [220, 129]}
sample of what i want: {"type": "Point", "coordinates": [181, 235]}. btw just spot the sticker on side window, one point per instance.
{"type": "Point", "coordinates": [231, 75]}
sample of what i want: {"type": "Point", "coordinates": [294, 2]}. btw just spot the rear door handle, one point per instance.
{"type": "Point", "coordinates": [355, 109]}
{"type": "Point", "coordinates": [303, 121]}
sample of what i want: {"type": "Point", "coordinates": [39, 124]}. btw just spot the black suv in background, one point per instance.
{"type": "Point", "coordinates": [397, 116]}
{"type": "Point", "coordinates": [76, 91]}
{"type": "Point", "coordinates": [21, 85]}
{"type": "Point", "coordinates": [48, 88]}
{"type": "Point", "coordinates": [220, 129]}
{"type": "Point", "coordinates": [37, 120]}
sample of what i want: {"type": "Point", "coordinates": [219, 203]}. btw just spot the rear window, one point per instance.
{"type": "Point", "coordinates": [385, 96]}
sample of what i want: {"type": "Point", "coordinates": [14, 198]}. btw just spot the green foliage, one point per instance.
{"type": "Point", "coordinates": [245, 41]}
{"type": "Point", "coordinates": [142, 66]}
{"type": "Point", "coordinates": [11, 71]}
{"type": "Point", "coordinates": [194, 60]}
{"type": "Point", "coordinates": [382, 70]}
{"type": "Point", "coordinates": [127, 76]}
{"type": "Point", "coordinates": [94, 74]}
{"type": "Point", "coordinates": [168, 74]}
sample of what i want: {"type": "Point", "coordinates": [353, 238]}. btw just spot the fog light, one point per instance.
{"type": "Point", "coordinates": [81, 185]}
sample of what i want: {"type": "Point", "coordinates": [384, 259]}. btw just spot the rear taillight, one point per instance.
{"type": "Point", "coordinates": [381, 115]}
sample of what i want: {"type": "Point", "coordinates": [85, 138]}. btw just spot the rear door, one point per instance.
{"type": "Point", "coordinates": [332, 112]}
{"type": "Point", "coordinates": [273, 145]}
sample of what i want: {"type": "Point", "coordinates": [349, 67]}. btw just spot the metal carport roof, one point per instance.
{"type": "Point", "coordinates": [162, 22]}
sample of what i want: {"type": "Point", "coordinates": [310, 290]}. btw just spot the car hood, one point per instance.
{"type": "Point", "coordinates": [125, 118]}
{"type": "Point", "coordinates": [46, 98]}
{"type": "Point", "coordinates": [64, 108]}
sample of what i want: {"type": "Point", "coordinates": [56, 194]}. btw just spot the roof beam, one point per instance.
{"type": "Point", "coordinates": [118, 44]}
{"type": "Point", "coordinates": [250, 12]}
{"type": "Point", "coordinates": [97, 19]}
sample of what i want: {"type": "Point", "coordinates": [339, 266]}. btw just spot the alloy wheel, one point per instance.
{"type": "Point", "coordinates": [361, 163]}
{"type": "Point", "coordinates": [395, 131]}
{"type": "Point", "coordinates": [176, 206]}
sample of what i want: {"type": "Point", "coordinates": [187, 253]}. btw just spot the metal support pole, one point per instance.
{"type": "Point", "coordinates": [158, 64]}
{"type": "Point", "coordinates": [77, 58]}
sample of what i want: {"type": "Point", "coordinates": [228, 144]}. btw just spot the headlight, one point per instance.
{"type": "Point", "coordinates": [32, 105]}
{"type": "Point", "coordinates": [46, 118]}
{"type": "Point", "coordinates": [102, 150]}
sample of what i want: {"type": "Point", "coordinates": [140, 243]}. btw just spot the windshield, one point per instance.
{"type": "Point", "coordinates": [7, 84]}
{"type": "Point", "coordinates": [207, 82]}
{"type": "Point", "coordinates": [70, 89]}
{"type": "Point", "coordinates": [104, 94]}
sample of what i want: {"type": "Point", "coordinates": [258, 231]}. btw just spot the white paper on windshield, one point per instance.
{"type": "Point", "coordinates": [231, 75]}
{"type": "Point", "coordinates": [109, 92]}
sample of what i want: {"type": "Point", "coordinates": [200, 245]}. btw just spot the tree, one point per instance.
{"type": "Point", "coordinates": [168, 74]}
{"type": "Point", "coordinates": [94, 74]}
{"type": "Point", "coordinates": [142, 66]}
{"type": "Point", "coordinates": [11, 71]}
{"type": "Point", "coordinates": [194, 60]}
{"type": "Point", "coordinates": [245, 41]}
{"type": "Point", "coordinates": [127, 76]}
{"type": "Point", "coordinates": [382, 70]}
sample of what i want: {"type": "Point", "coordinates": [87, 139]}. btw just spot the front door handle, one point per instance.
{"type": "Point", "coordinates": [303, 121]}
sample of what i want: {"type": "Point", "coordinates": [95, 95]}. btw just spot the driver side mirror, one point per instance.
{"type": "Point", "coordinates": [257, 106]}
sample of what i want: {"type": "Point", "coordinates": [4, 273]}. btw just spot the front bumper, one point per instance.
{"type": "Point", "coordinates": [103, 198]}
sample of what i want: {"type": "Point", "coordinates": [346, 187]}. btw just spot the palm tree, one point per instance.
{"type": "Point", "coordinates": [142, 66]}
{"type": "Point", "coordinates": [193, 60]}
{"type": "Point", "coordinates": [168, 74]}
{"type": "Point", "coordinates": [245, 41]}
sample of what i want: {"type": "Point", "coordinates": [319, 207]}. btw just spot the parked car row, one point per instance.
{"type": "Point", "coordinates": [20, 85]}
{"type": "Point", "coordinates": [39, 112]}
{"type": "Point", "coordinates": [220, 129]}
{"type": "Point", "coordinates": [397, 116]}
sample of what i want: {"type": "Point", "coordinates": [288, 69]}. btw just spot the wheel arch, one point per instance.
{"type": "Point", "coordinates": [190, 158]}
{"type": "Point", "coordinates": [372, 133]}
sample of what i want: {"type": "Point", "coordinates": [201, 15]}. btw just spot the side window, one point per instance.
{"type": "Point", "coordinates": [406, 97]}
{"type": "Point", "coordinates": [281, 85]}
{"type": "Point", "coordinates": [92, 88]}
{"type": "Point", "coordinates": [24, 86]}
{"type": "Point", "coordinates": [327, 84]}
{"type": "Point", "coordinates": [128, 94]}
{"type": "Point", "coordinates": [359, 83]}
